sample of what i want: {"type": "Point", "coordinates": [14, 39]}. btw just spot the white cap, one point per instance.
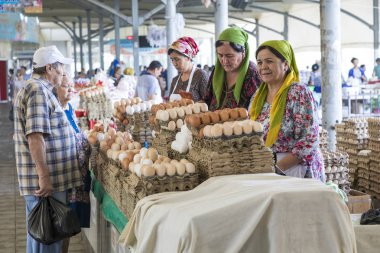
{"type": "Point", "coordinates": [48, 55]}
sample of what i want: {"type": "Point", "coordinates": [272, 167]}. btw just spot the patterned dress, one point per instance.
{"type": "Point", "coordinates": [78, 197]}
{"type": "Point", "coordinates": [299, 133]}
{"type": "Point", "coordinates": [250, 85]}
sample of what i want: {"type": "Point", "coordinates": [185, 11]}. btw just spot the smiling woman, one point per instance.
{"type": "Point", "coordinates": [235, 78]}
{"type": "Point", "coordinates": [287, 110]}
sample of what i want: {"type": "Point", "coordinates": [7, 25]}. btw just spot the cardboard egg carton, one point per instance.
{"type": "Point", "coordinates": [215, 157]}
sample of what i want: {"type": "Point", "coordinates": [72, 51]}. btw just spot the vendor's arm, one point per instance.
{"type": "Point", "coordinates": [288, 161]}
{"type": "Point", "coordinates": [37, 149]}
{"type": "Point", "coordinates": [305, 127]}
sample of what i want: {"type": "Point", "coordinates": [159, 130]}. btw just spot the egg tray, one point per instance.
{"type": "Point", "coordinates": [173, 154]}
{"type": "Point", "coordinates": [163, 141]}
{"type": "Point", "coordinates": [136, 188]}
{"type": "Point", "coordinates": [244, 161]}
{"type": "Point", "coordinates": [195, 130]}
{"type": "Point", "coordinates": [337, 176]}
{"type": "Point", "coordinates": [374, 167]}
{"type": "Point", "coordinates": [230, 145]}
{"type": "Point", "coordinates": [92, 161]}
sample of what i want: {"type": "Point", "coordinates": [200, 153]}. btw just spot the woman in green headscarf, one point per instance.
{"type": "Point", "coordinates": [288, 112]}
{"type": "Point", "coordinates": [235, 78]}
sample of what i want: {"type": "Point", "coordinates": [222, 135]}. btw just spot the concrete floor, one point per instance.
{"type": "Point", "coordinates": [12, 205]}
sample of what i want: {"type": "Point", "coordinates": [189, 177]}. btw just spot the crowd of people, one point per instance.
{"type": "Point", "coordinates": [52, 153]}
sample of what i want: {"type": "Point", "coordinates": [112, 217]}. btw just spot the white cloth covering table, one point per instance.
{"type": "Point", "coordinates": [243, 213]}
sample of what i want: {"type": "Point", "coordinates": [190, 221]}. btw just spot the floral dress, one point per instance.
{"type": "Point", "coordinates": [250, 85]}
{"type": "Point", "coordinates": [299, 132]}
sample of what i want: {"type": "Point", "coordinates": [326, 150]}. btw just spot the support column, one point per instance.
{"type": "Point", "coordinates": [221, 17]}
{"type": "Point", "coordinates": [88, 12]}
{"type": "Point", "coordinates": [170, 36]}
{"type": "Point", "coordinates": [286, 26]}
{"type": "Point", "coordinates": [376, 28]}
{"type": "Point", "coordinates": [331, 70]}
{"type": "Point", "coordinates": [135, 21]}
{"type": "Point", "coordinates": [117, 29]}
{"type": "Point", "coordinates": [75, 48]}
{"type": "Point", "coordinates": [101, 41]}
{"type": "Point", "coordinates": [80, 42]}
{"type": "Point", "coordinates": [257, 33]}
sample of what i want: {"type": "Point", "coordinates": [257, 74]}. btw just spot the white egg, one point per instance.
{"type": "Point", "coordinates": [207, 131]}
{"type": "Point", "coordinates": [204, 107]}
{"type": "Point", "coordinates": [180, 112]}
{"type": "Point", "coordinates": [100, 136]}
{"type": "Point", "coordinates": [179, 123]}
{"type": "Point", "coordinates": [257, 127]}
{"type": "Point", "coordinates": [188, 109]}
{"type": "Point", "coordinates": [144, 152]}
{"type": "Point", "coordinates": [190, 168]}
{"type": "Point", "coordinates": [130, 110]}
{"type": "Point", "coordinates": [143, 107]}
{"type": "Point", "coordinates": [196, 108]}
{"type": "Point", "coordinates": [137, 169]}
{"type": "Point", "coordinates": [137, 158]}
{"type": "Point", "coordinates": [137, 108]}
{"type": "Point", "coordinates": [146, 162]}
{"type": "Point", "coordinates": [122, 155]}
{"type": "Point", "coordinates": [172, 113]}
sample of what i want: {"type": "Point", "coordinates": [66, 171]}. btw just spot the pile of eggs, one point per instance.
{"type": "Point", "coordinates": [174, 116]}
{"type": "Point", "coordinates": [117, 141]}
{"type": "Point", "coordinates": [148, 163]}
{"type": "Point", "coordinates": [92, 92]}
{"type": "Point", "coordinates": [231, 128]}
{"type": "Point", "coordinates": [129, 107]}
{"type": "Point", "coordinates": [215, 117]}
{"type": "Point", "coordinates": [96, 134]}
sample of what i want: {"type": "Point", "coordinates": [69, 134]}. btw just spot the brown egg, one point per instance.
{"type": "Point", "coordinates": [125, 122]}
{"type": "Point", "coordinates": [155, 108]}
{"type": "Point", "coordinates": [172, 125]}
{"type": "Point", "coordinates": [125, 164]}
{"type": "Point", "coordinates": [130, 156]}
{"type": "Point", "coordinates": [215, 118]}
{"type": "Point", "coordinates": [148, 171]}
{"type": "Point", "coordinates": [180, 168]}
{"type": "Point", "coordinates": [182, 102]}
{"type": "Point", "coordinates": [92, 140]}
{"type": "Point", "coordinates": [201, 133]}
{"type": "Point", "coordinates": [205, 119]}
{"type": "Point", "coordinates": [152, 120]}
{"type": "Point", "coordinates": [243, 113]}
{"type": "Point", "coordinates": [224, 115]}
{"type": "Point", "coordinates": [234, 114]}
{"type": "Point", "coordinates": [166, 160]}
{"type": "Point", "coordinates": [194, 121]}
{"type": "Point", "coordinates": [168, 106]}
{"type": "Point", "coordinates": [175, 104]}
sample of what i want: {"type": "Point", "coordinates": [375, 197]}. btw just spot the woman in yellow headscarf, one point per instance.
{"type": "Point", "coordinates": [235, 78]}
{"type": "Point", "coordinates": [287, 110]}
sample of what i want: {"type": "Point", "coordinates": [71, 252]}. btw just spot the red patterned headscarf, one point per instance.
{"type": "Point", "coordinates": [185, 46]}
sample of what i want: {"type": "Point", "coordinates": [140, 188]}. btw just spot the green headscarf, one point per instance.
{"type": "Point", "coordinates": [238, 36]}
{"type": "Point", "coordinates": [278, 107]}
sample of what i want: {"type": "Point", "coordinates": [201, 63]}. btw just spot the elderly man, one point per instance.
{"type": "Point", "coordinates": [44, 140]}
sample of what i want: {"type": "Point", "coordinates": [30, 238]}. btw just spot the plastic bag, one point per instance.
{"type": "Point", "coordinates": [51, 221]}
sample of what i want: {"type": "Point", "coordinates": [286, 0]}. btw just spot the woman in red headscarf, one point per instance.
{"type": "Point", "coordinates": [190, 80]}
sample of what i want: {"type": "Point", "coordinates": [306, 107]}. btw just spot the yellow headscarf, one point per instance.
{"type": "Point", "coordinates": [278, 107]}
